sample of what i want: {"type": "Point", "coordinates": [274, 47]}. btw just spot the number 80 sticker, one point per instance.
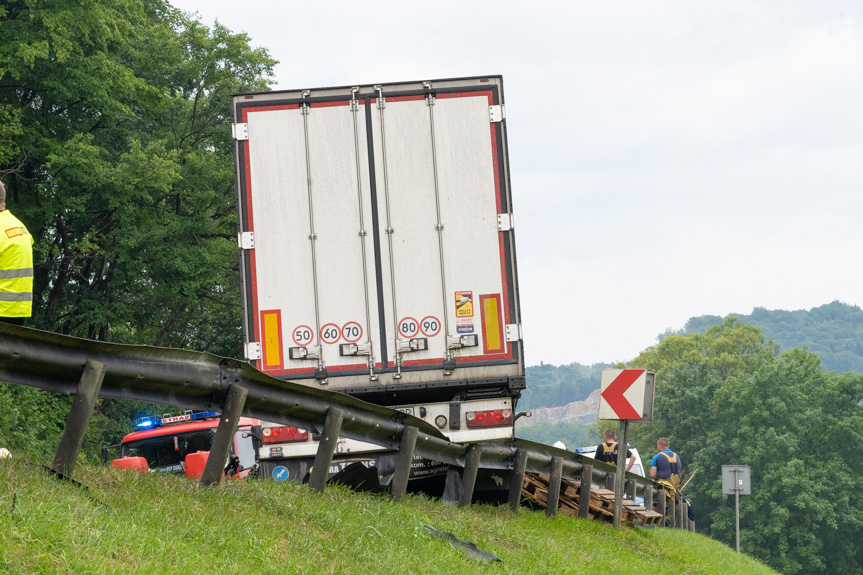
{"type": "Point", "coordinates": [408, 327]}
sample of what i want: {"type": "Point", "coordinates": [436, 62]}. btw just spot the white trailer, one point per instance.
{"type": "Point", "coordinates": [377, 252]}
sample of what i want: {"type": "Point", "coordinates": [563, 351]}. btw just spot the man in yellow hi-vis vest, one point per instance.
{"type": "Point", "coordinates": [16, 267]}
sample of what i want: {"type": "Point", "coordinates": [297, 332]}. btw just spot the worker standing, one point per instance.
{"type": "Point", "coordinates": [16, 266]}
{"type": "Point", "coordinates": [607, 451]}
{"type": "Point", "coordinates": [665, 466]}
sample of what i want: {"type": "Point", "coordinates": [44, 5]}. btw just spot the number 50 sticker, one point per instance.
{"type": "Point", "coordinates": [303, 335]}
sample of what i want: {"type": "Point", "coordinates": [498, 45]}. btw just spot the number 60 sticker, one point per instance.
{"type": "Point", "coordinates": [330, 333]}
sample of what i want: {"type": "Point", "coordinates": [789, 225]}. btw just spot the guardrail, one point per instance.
{"type": "Point", "coordinates": [202, 381]}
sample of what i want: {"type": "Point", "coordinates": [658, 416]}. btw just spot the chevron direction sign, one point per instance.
{"type": "Point", "coordinates": [626, 394]}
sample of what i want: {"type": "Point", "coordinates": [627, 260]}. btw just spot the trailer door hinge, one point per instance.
{"type": "Point", "coordinates": [246, 240]}
{"type": "Point", "coordinates": [513, 332]}
{"type": "Point", "coordinates": [253, 350]}
{"type": "Point", "coordinates": [505, 222]}
{"type": "Point", "coordinates": [240, 131]}
{"type": "Point", "coordinates": [496, 113]}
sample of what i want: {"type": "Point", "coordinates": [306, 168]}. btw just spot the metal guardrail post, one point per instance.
{"type": "Point", "coordinates": [326, 448]}
{"type": "Point", "coordinates": [79, 417]}
{"type": "Point", "coordinates": [554, 486]}
{"type": "Point", "coordinates": [672, 511]}
{"type": "Point", "coordinates": [516, 480]}
{"type": "Point", "coordinates": [471, 469]}
{"type": "Point", "coordinates": [584, 491]}
{"type": "Point", "coordinates": [661, 501]}
{"type": "Point", "coordinates": [648, 498]}
{"type": "Point", "coordinates": [629, 489]}
{"type": "Point", "coordinates": [404, 459]}
{"type": "Point", "coordinates": [609, 481]}
{"type": "Point", "coordinates": [224, 437]}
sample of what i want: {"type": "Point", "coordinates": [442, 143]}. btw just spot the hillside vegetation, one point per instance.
{"type": "Point", "coordinates": [136, 523]}
{"type": "Point", "coordinates": [730, 396]}
{"type": "Point", "coordinates": [834, 331]}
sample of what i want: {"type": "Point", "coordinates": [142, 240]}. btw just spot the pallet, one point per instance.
{"type": "Point", "coordinates": [601, 504]}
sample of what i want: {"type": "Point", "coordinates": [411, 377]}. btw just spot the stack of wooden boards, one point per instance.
{"type": "Point", "coordinates": [601, 504]}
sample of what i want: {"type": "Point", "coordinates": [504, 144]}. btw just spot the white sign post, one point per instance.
{"type": "Point", "coordinates": [735, 480]}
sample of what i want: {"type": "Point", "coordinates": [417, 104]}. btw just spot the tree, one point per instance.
{"type": "Point", "coordinates": [122, 167]}
{"type": "Point", "coordinates": [115, 147]}
{"type": "Point", "coordinates": [728, 397]}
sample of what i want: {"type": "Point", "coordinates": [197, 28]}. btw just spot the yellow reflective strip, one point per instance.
{"type": "Point", "coordinates": [492, 323]}
{"type": "Point", "coordinates": [272, 345]}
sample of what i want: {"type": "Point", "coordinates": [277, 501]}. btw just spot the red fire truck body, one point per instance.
{"type": "Point", "coordinates": [181, 444]}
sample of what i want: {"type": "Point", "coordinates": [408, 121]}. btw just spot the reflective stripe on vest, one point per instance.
{"type": "Point", "coordinates": [16, 267]}
{"type": "Point", "coordinates": [13, 274]}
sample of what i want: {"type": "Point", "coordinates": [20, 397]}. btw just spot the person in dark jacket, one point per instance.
{"type": "Point", "coordinates": [607, 451]}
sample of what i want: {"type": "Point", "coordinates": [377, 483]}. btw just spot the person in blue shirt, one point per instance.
{"type": "Point", "coordinates": [665, 465]}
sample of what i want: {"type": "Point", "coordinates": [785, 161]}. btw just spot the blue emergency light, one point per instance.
{"type": "Point", "coordinates": [204, 415]}
{"type": "Point", "coordinates": [147, 422]}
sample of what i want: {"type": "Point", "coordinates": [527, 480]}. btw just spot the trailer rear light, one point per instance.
{"type": "Point", "coordinates": [490, 418]}
{"type": "Point", "coordinates": [284, 434]}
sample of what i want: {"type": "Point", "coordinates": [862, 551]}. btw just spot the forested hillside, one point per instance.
{"type": "Point", "coordinates": [550, 386]}
{"type": "Point", "coordinates": [834, 331]}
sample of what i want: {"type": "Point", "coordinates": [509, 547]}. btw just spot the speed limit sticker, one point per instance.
{"type": "Point", "coordinates": [430, 326]}
{"type": "Point", "coordinates": [352, 332]}
{"type": "Point", "coordinates": [303, 335]}
{"type": "Point", "coordinates": [330, 333]}
{"type": "Point", "coordinates": [408, 327]}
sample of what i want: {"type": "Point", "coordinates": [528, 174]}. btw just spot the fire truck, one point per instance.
{"type": "Point", "coordinates": [181, 444]}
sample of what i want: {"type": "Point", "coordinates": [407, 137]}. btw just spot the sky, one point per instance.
{"type": "Point", "coordinates": [668, 159]}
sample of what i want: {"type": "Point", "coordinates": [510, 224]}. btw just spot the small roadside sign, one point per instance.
{"type": "Point", "coordinates": [735, 480]}
{"type": "Point", "coordinates": [280, 473]}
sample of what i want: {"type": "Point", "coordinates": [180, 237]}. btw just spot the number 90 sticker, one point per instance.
{"type": "Point", "coordinates": [330, 333]}
{"type": "Point", "coordinates": [303, 335]}
{"type": "Point", "coordinates": [430, 326]}
{"type": "Point", "coordinates": [352, 332]}
{"type": "Point", "coordinates": [408, 327]}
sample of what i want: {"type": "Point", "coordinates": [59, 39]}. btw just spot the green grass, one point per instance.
{"type": "Point", "coordinates": [167, 524]}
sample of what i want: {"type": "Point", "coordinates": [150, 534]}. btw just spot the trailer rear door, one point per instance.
{"type": "Point", "coordinates": [376, 235]}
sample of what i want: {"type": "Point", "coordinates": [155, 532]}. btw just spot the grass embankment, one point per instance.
{"type": "Point", "coordinates": [167, 524]}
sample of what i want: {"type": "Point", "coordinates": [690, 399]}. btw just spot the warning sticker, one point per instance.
{"type": "Point", "coordinates": [464, 304]}
{"type": "Point", "coordinates": [464, 325]}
